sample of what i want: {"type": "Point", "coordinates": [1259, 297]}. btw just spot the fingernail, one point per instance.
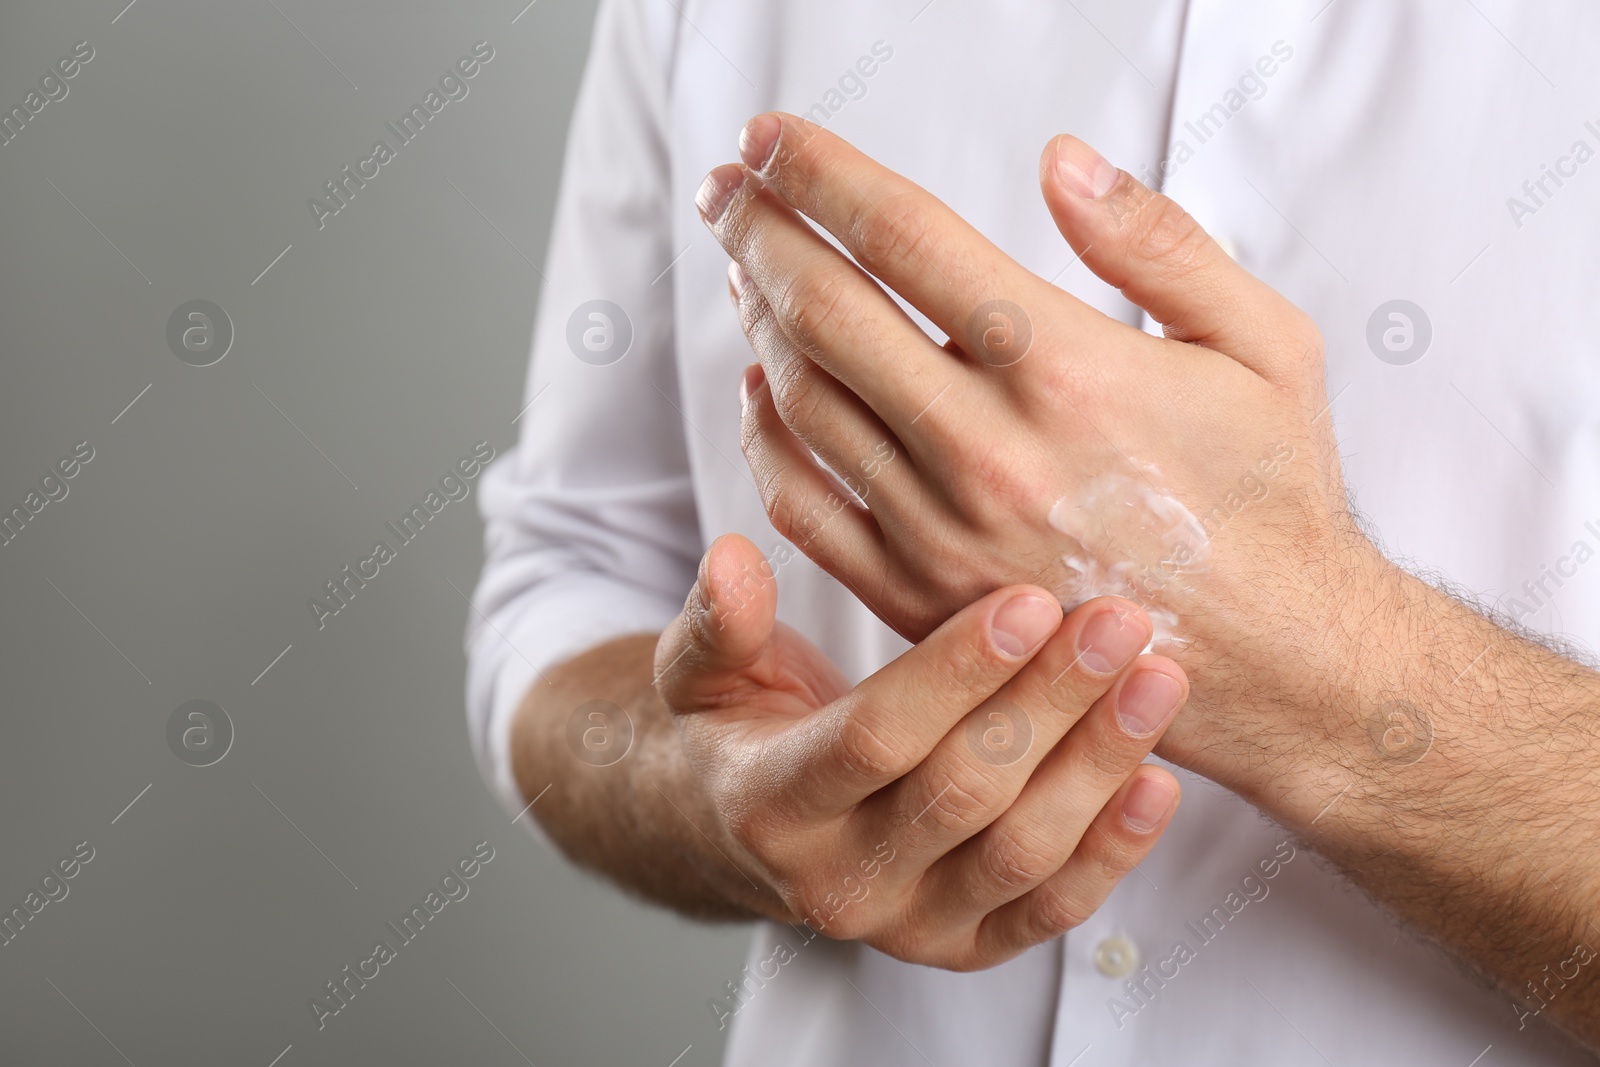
{"type": "Point", "coordinates": [736, 282]}
{"type": "Point", "coordinates": [717, 190]}
{"type": "Point", "coordinates": [1147, 700]}
{"type": "Point", "coordinates": [750, 382]}
{"type": "Point", "coordinates": [1110, 640]}
{"type": "Point", "coordinates": [1082, 170]}
{"type": "Point", "coordinates": [1022, 623]}
{"type": "Point", "coordinates": [759, 140]}
{"type": "Point", "coordinates": [1147, 803]}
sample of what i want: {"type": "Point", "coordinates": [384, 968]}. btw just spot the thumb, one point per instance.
{"type": "Point", "coordinates": [725, 623]}
{"type": "Point", "coordinates": [1151, 249]}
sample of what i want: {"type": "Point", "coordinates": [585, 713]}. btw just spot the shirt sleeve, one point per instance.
{"type": "Point", "coordinates": [591, 530]}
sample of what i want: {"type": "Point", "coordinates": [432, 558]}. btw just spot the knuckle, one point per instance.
{"type": "Point", "coordinates": [808, 525]}
{"type": "Point", "coordinates": [797, 392]}
{"type": "Point", "coordinates": [1109, 859]}
{"type": "Point", "coordinates": [968, 663]}
{"type": "Point", "coordinates": [956, 807]}
{"type": "Point", "coordinates": [755, 314]}
{"type": "Point", "coordinates": [790, 520]}
{"type": "Point", "coordinates": [755, 442]}
{"type": "Point", "coordinates": [994, 488]}
{"type": "Point", "coordinates": [1081, 388]}
{"type": "Point", "coordinates": [816, 301]}
{"type": "Point", "coordinates": [1162, 232]}
{"type": "Point", "coordinates": [991, 488]}
{"type": "Point", "coordinates": [739, 227]}
{"type": "Point", "coordinates": [865, 752]}
{"type": "Point", "coordinates": [1113, 858]}
{"type": "Point", "coordinates": [896, 230]}
{"type": "Point", "coordinates": [773, 485]}
{"type": "Point", "coordinates": [1015, 862]}
{"type": "Point", "coordinates": [750, 434]}
{"type": "Point", "coordinates": [794, 513]}
{"type": "Point", "coordinates": [1056, 912]}
{"type": "Point", "coordinates": [799, 156]}
{"type": "Point", "coordinates": [1108, 756]}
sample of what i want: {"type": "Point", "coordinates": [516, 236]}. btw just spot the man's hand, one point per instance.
{"type": "Point", "coordinates": [978, 795]}
{"type": "Point", "coordinates": [1447, 765]}
{"type": "Point", "coordinates": [1044, 442]}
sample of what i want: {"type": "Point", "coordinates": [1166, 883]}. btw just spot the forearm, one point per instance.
{"type": "Point", "coordinates": [1453, 770]}
{"type": "Point", "coordinates": [642, 821]}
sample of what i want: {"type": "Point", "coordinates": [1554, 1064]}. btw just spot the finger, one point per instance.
{"type": "Point", "coordinates": [888, 724]}
{"type": "Point", "coordinates": [832, 421]}
{"type": "Point", "coordinates": [975, 773]}
{"type": "Point", "coordinates": [1159, 256]}
{"type": "Point", "coordinates": [804, 502]}
{"type": "Point", "coordinates": [1046, 825]}
{"type": "Point", "coordinates": [832, 311]}
{"type": "Point", "coordinates": [894, 228]}
{"type": "Point", "coordinates": [1121, 835]}
{"type": "Point", "coordinates": [725, 622]}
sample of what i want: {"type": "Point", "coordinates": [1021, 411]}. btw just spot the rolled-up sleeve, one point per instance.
{"type": "Point", "coordinates": [591, 530]}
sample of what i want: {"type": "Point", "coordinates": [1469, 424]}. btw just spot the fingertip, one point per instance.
{"type": "Point", "coordinates": [1111, 633]}
{"type": "Point", "coordinates": [1168, 666]}
{"type": "Point", "coordinates": [1074, 167]}
{"type": "Point", "coordinates": [733, 604]}
{"type": "Point", "coordinates": [1147, 699]}
{"type": "Point", "coordinates": [1047, 164]}
{"type": "Point", "coordinates": [759, 140]}
{"type": "Point", "coordinates": [716, 192]}
{"type": "Point", "coordinates": [753, 378]}
{"type": "Point", "coordinates": [1024, 620]}
{"type": "Point", "coordinates": [728, 565]}
{"type": "Point", "coordinates": [1150, 801]}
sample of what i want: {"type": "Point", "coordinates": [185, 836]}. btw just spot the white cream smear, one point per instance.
{"type": "Point", "coordinates": [1131, 538]}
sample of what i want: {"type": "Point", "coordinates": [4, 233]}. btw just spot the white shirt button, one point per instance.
{"type": "Point", "coordinates": [1116, 957]}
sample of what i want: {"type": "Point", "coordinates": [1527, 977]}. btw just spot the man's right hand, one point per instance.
{"type": "Point", "coordinates": [981, 794]}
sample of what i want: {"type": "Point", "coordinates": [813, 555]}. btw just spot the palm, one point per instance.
{"type": "Point", "coordinates": [791, 677]}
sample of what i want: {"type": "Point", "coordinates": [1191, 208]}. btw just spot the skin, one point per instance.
{"type": "Point", "coordinates": [1448, 765]}
{"type": "Point", "coordinates": [890, 813]}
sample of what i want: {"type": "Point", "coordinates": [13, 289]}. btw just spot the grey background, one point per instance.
{"type": "Point", "coordinates": [180, 562]}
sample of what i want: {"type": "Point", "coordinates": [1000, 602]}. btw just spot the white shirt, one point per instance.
{"type": "Point", "coordinates": [1377, 161]}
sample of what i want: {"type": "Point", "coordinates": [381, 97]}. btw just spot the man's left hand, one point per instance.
{"type": "Point", "coordinates": [1046, 442]}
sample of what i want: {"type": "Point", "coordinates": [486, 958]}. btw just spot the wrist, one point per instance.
{"type": "Point", "coordinates": [1283, 706]}
{"type": "Point", "coordinates": [1350, 683]}
{"type": "Point", "coordinates": [1368, 711]}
